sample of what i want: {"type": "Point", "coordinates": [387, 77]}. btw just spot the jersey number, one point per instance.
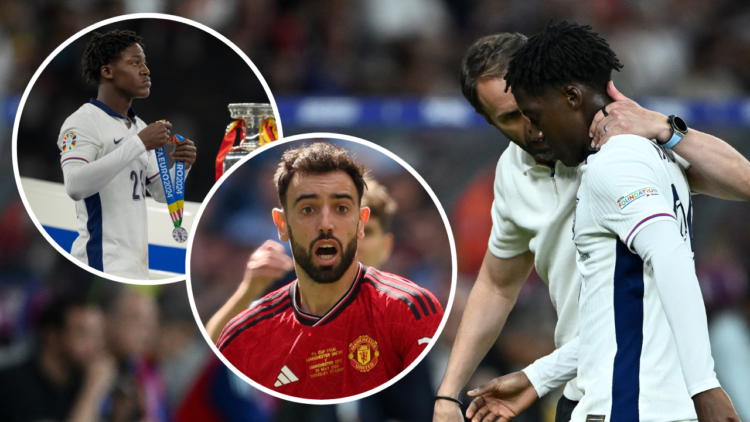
{"type": "Point", "coordinates": [134, 177]}
{"type": "Point", "coordinates": [685, 221]}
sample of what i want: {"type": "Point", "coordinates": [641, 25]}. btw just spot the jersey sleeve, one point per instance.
{"type": "Point", "coordinates": [554, 370]}
{"type": "Point", "coordinates": [682, 162]}
{"type": "Point", "coordinates": [79, 140]}
{"type": "Point", "coordinates": [624, 188]}
{"type": "Point", "coordinates": [506, 239]}
{"type": "Point", "coordinates": [662, 246]}
{"type": "Point", "coordinates": [85, 170]}
{"type": "Point", "coordinates": [411, 335]}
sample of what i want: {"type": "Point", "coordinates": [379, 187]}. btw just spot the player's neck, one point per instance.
{"type": "Point", "coordinates": [316, 298]}
{"type": "Point", "coordinates": [114, 100]}
{"type": "Point", "coordinates": [595, 104]}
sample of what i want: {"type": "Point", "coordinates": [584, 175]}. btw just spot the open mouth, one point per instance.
{"type": "Point", "coordinates": [326, 252]}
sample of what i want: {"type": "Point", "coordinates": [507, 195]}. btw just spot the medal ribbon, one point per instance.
{"type": "Point", "coordinates": [175, 194]}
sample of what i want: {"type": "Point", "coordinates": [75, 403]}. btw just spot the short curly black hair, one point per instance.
{"type": "Point", "coordinates": [562, 53]}
{"type": "Point", "coordinates": [101, 49]}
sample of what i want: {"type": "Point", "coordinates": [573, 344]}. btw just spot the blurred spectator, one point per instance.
{"type": "Point", "coordinates": [139, 392]}
{"type": "Point", "coordinates": [729, 332]}
{"type": "Point", "coordinates": [70, 374]}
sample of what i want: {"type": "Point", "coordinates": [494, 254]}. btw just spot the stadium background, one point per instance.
{"type": "Point", "coordinates": [386, 70]}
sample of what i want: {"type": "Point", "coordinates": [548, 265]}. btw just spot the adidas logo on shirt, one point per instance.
{"type": "Point", "coordinates": [286, 376]}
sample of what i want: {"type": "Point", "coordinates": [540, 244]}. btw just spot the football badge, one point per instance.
{"type": "Point", "coordinates": [69, 141]}
{"type": "Point", "coordinates": [363, 353]}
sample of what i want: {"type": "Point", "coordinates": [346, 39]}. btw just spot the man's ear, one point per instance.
{"type": "Point", "coordinates": [364, 215]}
{"type": "Point", "coordinates": [279, 219]}
{"type": "Point", "coordinates": [107, 72]}
{"type": "Point", "coordinates": [573, 96]}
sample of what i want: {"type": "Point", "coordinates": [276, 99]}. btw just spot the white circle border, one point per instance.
{"type": "Point", "coordinates": [43, 66]}
{"type": "Point", "coordinates": [446, 311]}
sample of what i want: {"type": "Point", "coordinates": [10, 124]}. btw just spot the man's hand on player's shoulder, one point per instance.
{"type": "Point", "coordinates": [185, 151]}
{"type": "Point", "coordinates": [714, 406]}
{"type": "Point", "coordinates": [155, 135]}
{"type": "Point", "coordinates": [504, 398]}
{"type": "Point", "coordinates": [626, 117]}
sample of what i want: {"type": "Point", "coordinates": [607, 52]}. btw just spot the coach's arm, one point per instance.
{"type": "Point", "coordinates": [493, 296]}
{"type": "Point", "coordinates": [716, 170]}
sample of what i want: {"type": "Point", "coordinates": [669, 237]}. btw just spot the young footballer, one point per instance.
{"type": "Point", "coordinates": [108, 159]}
{"type": "Point", "coordinates": [532, 218]}
{"type": "Point", "coordinates": [341, 328]}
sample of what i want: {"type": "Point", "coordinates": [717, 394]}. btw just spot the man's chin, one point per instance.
{"type": "Point", "coordinates": [544, 155]}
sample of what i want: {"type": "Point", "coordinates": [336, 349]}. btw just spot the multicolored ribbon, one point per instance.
{"type": "Point", "coordinates": [268, 132]}
{"type": "Point", "coordinates": [175, 194]}
{"type": "Point", "coordinates": [238, 128]}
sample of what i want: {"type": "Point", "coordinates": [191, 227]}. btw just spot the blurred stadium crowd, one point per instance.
{"type": "Point", "coordinates": [690, 48]}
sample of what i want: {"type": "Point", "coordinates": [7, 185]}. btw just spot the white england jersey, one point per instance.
{"type": "Point", "coordinates": [533, 211]}
{"type": "Point", "coordinates": [628, 365]}
{"type": "Point", "coordinates": [112, 223]}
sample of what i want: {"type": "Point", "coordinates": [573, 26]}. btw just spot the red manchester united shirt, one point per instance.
{"type": "Point", "coordinates": [374, 331]}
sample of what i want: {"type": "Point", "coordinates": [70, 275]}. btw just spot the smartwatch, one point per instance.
{"type": "Point", "coordinates": [679, 130]}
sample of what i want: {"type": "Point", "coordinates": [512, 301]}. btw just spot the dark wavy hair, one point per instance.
{"type": "Point", "coordinates": [318, 158]}
{"type": "Point", "coordinates": [102, 49]}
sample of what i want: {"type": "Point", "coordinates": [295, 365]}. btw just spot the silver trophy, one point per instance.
{"type": "Point", "coordinates": [260, 129]}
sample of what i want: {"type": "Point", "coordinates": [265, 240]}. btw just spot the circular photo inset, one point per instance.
{"type": "Point", "coordinates": [117, 138]}
{"type": "Point", "coordinates": [322, 268]}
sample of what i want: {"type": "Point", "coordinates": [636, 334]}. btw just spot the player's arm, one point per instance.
{"type": "Point", "coordinates": [509, 395]}
{"type": "Point", "coordinates": [661, 245]}
{"type": "Point", "coordinates": [716, 168]}
{"type": "Point", "coordinates": [491, 299]}
{"type": "Point", "coordinates": [267, 264]}
{"type": "Point", "coordinates": [85, 175]}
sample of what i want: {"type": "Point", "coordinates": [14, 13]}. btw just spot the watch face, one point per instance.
{"type": "Point", "coordinates": [679, 124]}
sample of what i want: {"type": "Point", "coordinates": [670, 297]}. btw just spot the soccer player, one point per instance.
{"type": "Point", "coordinates": [643, 349]}
{"type": "Point", "coordinates": [341, 328]}
{"type": "Point", "coordinates": [108, 161]}
{"type": "Point", "coordinates": [532, 218]}
{"type": "Point", "coordinates": [270, 262]}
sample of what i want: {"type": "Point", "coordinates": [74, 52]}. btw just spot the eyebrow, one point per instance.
{"type": "Point", "coordinates": [314, 196]}
{"type": "Point", "coordinates": [343, 196]}
{"type": "Point", "coordinates": [305, 196]}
